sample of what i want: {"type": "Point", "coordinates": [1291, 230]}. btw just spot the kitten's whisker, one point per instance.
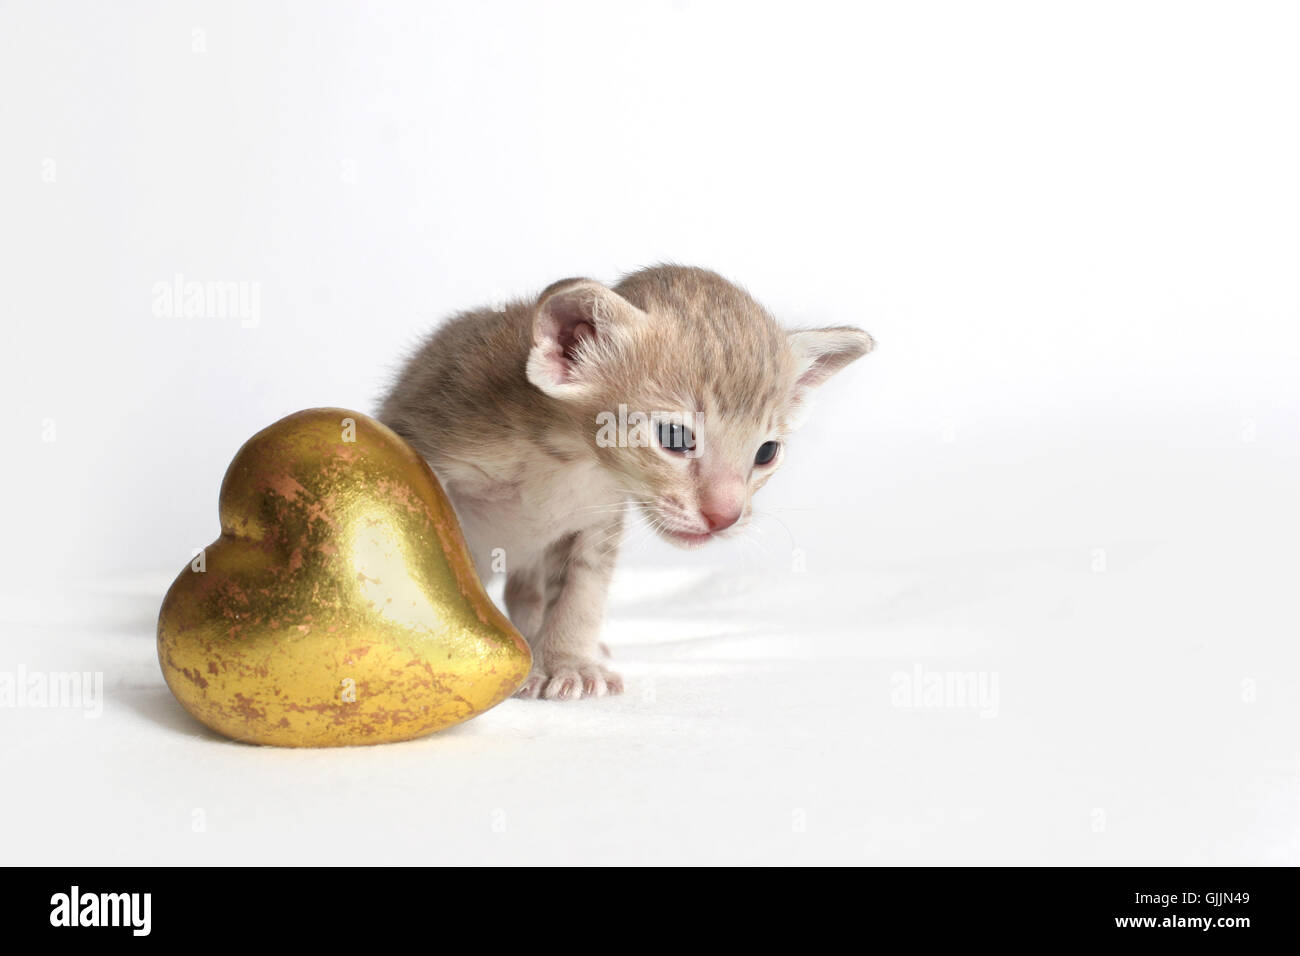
{"type": "Point", "coordinates": [608, 542]}
{"type": "Point", "coordinates": [760, 545]}
{"type": "Point", "coordinates": [605, 506]}
{"type": "Point", "coordinates": [767, 514]}
{"type": "Point", "coordinates": [622, 502]}
{"type": "Point", "coordinates": [645, 530]}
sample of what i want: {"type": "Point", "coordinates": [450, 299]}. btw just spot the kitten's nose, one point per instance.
{"type": "Point", "coordinates": [717, 520]}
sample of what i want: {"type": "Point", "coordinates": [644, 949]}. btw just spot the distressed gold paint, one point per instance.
{"type": "Point", "coordinates": [338, 562]}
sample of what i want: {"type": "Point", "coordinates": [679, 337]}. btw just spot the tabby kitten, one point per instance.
{"type": "Point", "coordinates": [546, 421]}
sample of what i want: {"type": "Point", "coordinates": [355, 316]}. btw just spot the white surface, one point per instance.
{"type": "Point", "coordinates": [1071, 228]}
{"type": "Point", "coordinates": [762, 700]}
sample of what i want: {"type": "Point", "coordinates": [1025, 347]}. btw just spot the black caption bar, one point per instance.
{"type": "Point", "coordinates": [1229, 906]}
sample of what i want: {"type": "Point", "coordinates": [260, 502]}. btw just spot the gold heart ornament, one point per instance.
{"type": "Point", "coordinates": [340, 604]}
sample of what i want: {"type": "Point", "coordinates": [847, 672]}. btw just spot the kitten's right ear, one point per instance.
{"type": "Point", "coordinates": [577, 323]}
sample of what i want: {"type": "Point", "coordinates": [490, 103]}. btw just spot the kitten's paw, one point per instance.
{"type": "Point", "coordinates": [571, 678]}
{"type": "Point", "coordinates": [532, 686]}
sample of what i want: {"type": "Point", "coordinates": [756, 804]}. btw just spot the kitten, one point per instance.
{"type": "Point", "coordinates": [672, 392]}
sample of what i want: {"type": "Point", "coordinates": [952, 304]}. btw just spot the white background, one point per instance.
{"type": "Point", "coordinates": [1071, 465]}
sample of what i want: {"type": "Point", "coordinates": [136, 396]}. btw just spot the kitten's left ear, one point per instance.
{"type": "Point", "coordinates": [823, 352]}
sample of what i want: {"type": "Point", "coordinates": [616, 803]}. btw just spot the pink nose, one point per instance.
{"type": "Point", "coordinates": [717, 520]}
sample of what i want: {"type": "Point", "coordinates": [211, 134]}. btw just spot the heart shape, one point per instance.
{"type": "Point", "coordinates": [340, 604]}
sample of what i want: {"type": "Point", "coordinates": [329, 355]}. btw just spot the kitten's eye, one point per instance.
{"type": "Point", "coordinates": [676, 438]}
{"type": "Point", "coordinates": [766, 452]}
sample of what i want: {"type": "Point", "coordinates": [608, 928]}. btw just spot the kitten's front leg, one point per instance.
{"type": "Point", "coordinates": [566, 652]}
{"type": "Point", "coordinates": [526, 600]}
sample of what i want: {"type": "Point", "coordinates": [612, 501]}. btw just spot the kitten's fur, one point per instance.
{"type": "Point", "coordinates": [504, 405]}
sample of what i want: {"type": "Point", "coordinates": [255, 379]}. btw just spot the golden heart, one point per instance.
{"type": "Point", "coordinates": [340, 604]}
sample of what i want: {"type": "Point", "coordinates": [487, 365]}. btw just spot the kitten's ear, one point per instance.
{"type": "Point", "coordinates": [821, 353]}
{"type": "Point", "coordinates": [577, 323]}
